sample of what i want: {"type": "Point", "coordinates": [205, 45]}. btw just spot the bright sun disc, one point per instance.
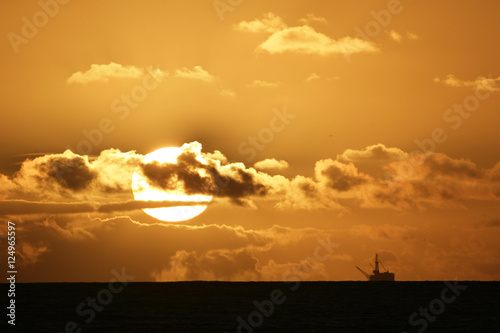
{"type": "Point", "coordinates": [144, 191]}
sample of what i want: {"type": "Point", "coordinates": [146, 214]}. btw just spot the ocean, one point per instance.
{"type": "Point", "coordinates": [257, 307]}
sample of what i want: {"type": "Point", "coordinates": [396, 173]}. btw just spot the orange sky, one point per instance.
{"type": "Point", "coordinates": [317, 113]}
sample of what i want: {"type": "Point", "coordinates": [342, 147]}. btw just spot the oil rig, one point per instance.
{"type": "Point", "coordinates": [377, 275]}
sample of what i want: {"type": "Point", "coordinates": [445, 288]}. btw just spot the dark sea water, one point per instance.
{"type": "Point", "coordinates": [216, 307]}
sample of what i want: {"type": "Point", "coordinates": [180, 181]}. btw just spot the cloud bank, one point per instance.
{"type": "Point", "coordinates": [68, 182]}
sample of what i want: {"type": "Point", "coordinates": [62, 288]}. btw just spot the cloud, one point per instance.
{"type": "Point", "coordinates": [69, 183]}
{"type": "Point", "coordinates": [374, 152]}
{"type": "Point", "coordinates": [226, 252]}
{"type": "Point", "coordinates": [442, 165]}
{"type": "Point", "coordinates": [268, 23]}
{"type": "Point", "coordinates": [63, 173]}
{"type": "Point", "coordinates": [29, 253]}
{"type": "Point", "coordinates": [409, 182]}
{"type": "Point", "coordinates": [103, 73]}
{"type": "Point", "coordinates": [73, 229]}
{"type": "Point", "coordinates": [313, 18]}
{"type": "Point", "coordinates": [114, 170]}
{"type": "Point", "coordinates": [249, 258]}
{"type": "Point", "coordinates": [69, 176]}
{"type": "Point", "coordinates": [316, 77]}
{"type": "Point", "coordinates": [388, 256]}
{"type": "Point", "coordinates": [271, 163]}
{"type": "Point", "coordinates": [412, 36]}
{"type": "Point", "coordinates": [489, 224]}
{"type": "Point", "coordinates": [24, 207]}
{"type": "Point", "coordinates": [395, 36]}
{"type": "Point", "coordinates": [197, 73]}
{"type": "Point", "coordinates": [301, 39]}
{"type": "Point", "coordinates": [398, 37]}
{"type": "Point", "coordinates": [384, 231]}
{"type": "Point", "coordinates": [306, 40]}
{"type": "Point", "coordinates": [493, 223]}
{"type": "Point", "coordinates": [225, 265]}
{"type": "Point", "coordinates": [481, 83]}
{"type": "Point", "coordinates": [312, 77]}
{"type": "Point", "coordinates": [199, 174]}
{"type": "Point", "coordinates": [339, 176]}
{"type": "Point", "coordinates": [307, 193]}
{"type": "Point", "coordinates": [264, 84]}
{"type": "Point", "coordinates": [227, 92]}
{"type": "Point", "coordinates": [435, 180]}
{"type": "Point", "coordinates": [494, 173]}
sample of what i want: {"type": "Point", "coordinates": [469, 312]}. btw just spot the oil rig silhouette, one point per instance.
{"type": "Point", "coordinates": [377, 275]}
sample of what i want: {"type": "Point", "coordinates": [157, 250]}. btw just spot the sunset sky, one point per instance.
{"type": "Point", "coordinates": [369, 126]}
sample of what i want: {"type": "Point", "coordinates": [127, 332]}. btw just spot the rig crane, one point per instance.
{"type": "Point", "coordinates": [365, 273]}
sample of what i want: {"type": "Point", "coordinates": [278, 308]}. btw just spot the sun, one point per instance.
{"type": "Point", "coordinates": [143, 190]}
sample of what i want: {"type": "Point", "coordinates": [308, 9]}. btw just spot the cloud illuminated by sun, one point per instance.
{"type": "Point", "coordinates": [143, 190]}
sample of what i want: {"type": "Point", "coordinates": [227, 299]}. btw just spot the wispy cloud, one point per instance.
{"type": "Point", "coordinates": [197, 73]}
{"type": "Point", "coordinates": [399, 37]}
{"type": "Point", "coordinates": [264, 84]}
{"type": "Point", "coordinates": [104, 73]}
{"type": "Point", "coordinates": [412, 36]}
{"type": "Point", "coordinates": [481, 83]}
{"type": "Point", "coordinates": [268, 23]}
{"type": "Point", "coordinates": [395, 36]}
{"type": "Point", "coordinates": [312, 77]}
{"type": "Point", "coordinates": [315, 77]}
{"type": "Point", "coordinates": [23, 207]}
{"type": "Point", "coordinates": [313, 18]}
{"type": "Point", "coordinates": [227, 92]}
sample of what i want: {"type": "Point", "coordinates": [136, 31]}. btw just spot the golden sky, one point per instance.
{"type": "Point", "coordinates": [325, 131]}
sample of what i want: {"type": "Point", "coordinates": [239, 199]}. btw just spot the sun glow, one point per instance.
{"type": "Point", "coordinates": [143, 190]}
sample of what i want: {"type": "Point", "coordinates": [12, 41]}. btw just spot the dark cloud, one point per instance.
{"type": "Point", "coordinates": [213, 265]}
{"type": "Point", "coordinates": [186, 172]}
{"type": "Point", "coordinates": [342, 177]}
{"type": "Point", "coordinates": [440, 164]}
{"type": "Point", "coordinates": [308, 188]}
{"type": "Point", "coordinates": [491, 223]}
{"type": "Point", "coordinates": [137, 204]}
{"type": "Point", "coordinates": [23, 207]}
{"type": "Point", "coordinates": [232, 181]}
{"type": "Point", "coordinates": [240, 184]}
{"type": "Point", "coordinates": [69, 176]}
{"type": "Point", "coordinates": [72, 173]}
{"type": "Point", "coordinates": [396, 198]}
